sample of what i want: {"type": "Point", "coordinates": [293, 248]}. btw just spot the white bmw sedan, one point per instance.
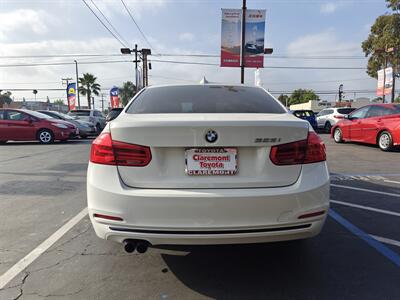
{"type": "Point", "coordinates": [206, 164]}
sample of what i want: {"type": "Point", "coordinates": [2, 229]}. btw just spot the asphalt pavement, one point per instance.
{"type": "Point", "coordinates": [42, 189]}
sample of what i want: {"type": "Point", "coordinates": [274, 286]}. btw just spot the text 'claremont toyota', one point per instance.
{"type": "Point", "coordinates": [206, 164]}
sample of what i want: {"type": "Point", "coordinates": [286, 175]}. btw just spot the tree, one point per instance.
{"type": "Point", "coordinates": [59, 102]}
{"type": "Point", "coordinates": [302, 96]}
{"type": "Point", "coordinates": [126, 92]}
{"type": "Point", "coordinates": [89, 86]}
{"type": "Point", "coordinates": [5, 98]}
{"type": "Point", "coordinates": [284, 99]}
{"type": "Point", "coordinates": [385, 33]}
{"type": "Point", "coordinates": [393, 4]}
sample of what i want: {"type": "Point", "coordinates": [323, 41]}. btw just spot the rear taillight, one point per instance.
{"type": "Point", "coordinates": [338, 117]}
{"type": "Point", "coordinates": [105, 151]}
{"type": "Point", "coordinates": [306, 151]}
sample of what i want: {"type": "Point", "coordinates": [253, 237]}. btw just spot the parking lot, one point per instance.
{"type": "Point", "coordinates": [44, 226]}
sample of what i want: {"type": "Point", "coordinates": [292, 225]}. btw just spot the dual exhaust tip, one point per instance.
{"type": "Point", "coordinates": [140, 246]}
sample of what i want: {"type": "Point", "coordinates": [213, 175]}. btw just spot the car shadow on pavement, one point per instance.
{"type": "Point", "coordinates": [330, 266]}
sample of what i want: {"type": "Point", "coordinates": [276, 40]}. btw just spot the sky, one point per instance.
{"type": "Point", "coordinates": [294, 28]}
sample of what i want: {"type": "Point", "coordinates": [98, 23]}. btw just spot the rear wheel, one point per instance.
{"type": "Point", "coordinates": [385, 141]}
{"type": "Point", "coordinates": [45, 136]}
{"type": "Point", "coordinates": [328, 127]}
{"type": "Point", "coordinates": [337, 135]}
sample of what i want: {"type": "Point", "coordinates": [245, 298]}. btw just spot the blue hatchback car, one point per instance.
{"type": "Point", "coordinates": [307, 115]}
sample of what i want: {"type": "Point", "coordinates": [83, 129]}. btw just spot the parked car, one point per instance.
{"type": "Point", "coordinates": [377, 124]}
{"type": "Point", "coordinates": [93, 116]}
{"type": "Point", "coordinates": [328, 117]}
{"type": "Point", "coordinates": [85, 128]}
{"type": "Point", "coordinates": [307, 115]}
{"type": "Point", "coordinates": [206, 164]}
{"type": "Point", "coordinates": [113, 114]}
{"type": "Point", "coordinates": [28, 125]}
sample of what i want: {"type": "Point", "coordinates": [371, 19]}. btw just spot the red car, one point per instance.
{"type": "Point", "coordinates": [377, 124]}
{"type": "Point", "coordinates": [27, 125]}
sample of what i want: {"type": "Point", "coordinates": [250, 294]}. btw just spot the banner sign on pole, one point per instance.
{"type": "Point", "coordinates": [71, 96]}
{"type": "Point", "coordinates": [114, 98]}
{"type": "Point", "coordinates": [385, 82]}
{"type": "Point", "coordinates": [381, 83]}
{"type": "Point", "coordinates": [254, 38]}
{"type": "Point", "coordinates": [231, 29]}
{"type": "Point", "coordinates": [388, 80]}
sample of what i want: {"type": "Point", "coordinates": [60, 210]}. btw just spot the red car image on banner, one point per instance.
{"type": "Point", "coordinates": [114, 97]}
{"type": "Point", "coordinates": [71, 96]}
{"type": "Point", "coordinates": [230, 37]}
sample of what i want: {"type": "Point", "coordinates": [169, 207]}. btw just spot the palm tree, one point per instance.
{"type": "Point", "coordinates": [127, 91]}
{"type": "Point", "coordinates": [89, 86]}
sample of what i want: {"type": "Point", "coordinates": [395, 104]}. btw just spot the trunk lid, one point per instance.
{"type": "Point", "coordinates": [170, 135]}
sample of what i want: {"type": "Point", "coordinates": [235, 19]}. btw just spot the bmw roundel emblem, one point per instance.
{"type": "Point", "coordinates": [211, 136]}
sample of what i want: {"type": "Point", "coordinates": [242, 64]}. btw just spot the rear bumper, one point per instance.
{"type": "Point", "coordinates": [207, 216]}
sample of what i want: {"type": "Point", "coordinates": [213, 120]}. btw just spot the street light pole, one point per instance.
{"type": "Point", "coordinates": [136, 70]}
{"type": "Point", "coordinates": [243, 41]}
{"type": "Point", "coordinates": [77, 84]}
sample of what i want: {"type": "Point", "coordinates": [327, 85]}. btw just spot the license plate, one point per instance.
{"type": "Point", "coordinates": [211, 161]}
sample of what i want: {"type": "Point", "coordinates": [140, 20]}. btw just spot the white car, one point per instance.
{"type": "Point", "coordinates": [328, 117]}
{"type": "Point", "coordinates": [206, 164]}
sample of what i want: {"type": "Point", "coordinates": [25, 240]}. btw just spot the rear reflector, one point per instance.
{"type": "Point", "coordinates": [306, 151]}
{"type": "Point", "coordinates": [107, 217]}
{"type": "Point", "coordinates": [338, 117]}
{"type": "Point", "coordinates": [105, 151]}
{"type": "Point", "coordinates": [310, 215]}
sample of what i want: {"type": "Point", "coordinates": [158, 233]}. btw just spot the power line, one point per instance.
{"type": "Point", "coordinates": [105, 26]}
{"type": "Point", "coordinates": [179, 55]}
{"type": "Point", "coordinates": [108, 21]}
{"type": "Point", "coordinates": [138, 27]}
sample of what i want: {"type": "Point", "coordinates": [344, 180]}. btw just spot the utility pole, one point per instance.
{"type": "Point", "coordinates": [136, 70]}
{"type": "Point", "coordinates": [145, 53]}
{"type": "Point", "coordinates": [102, 102]}
{"type": "Point", "coordinates": [77, 84]}
{"type": "Point", "coordinates": [136, 51]}
{"type": "Point", "coordinates": [243, 41]}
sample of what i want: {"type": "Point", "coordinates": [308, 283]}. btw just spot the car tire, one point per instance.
{"type": "Point", "coordinates": [385, 141]}
{"type": "Point", "coordinates": [45, 136]}
{"type": "Point", "coordinates": [328, 127]}
{"type": "Point", "coordinates": [337, 135]}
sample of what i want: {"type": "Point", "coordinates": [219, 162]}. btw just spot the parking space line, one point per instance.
{"type": "Point", "coordinates": [386, 240]}
{"type": "Point", "coordinates": [383, 211]}
{"type": "Point", "coordinates": [392, 181]}
{"type": "Point", "coordinates": [39, 250]}
{"type": "Point", "coordinates": [378, 246]}
{"type": "Point", "coordinates": [365, 190]}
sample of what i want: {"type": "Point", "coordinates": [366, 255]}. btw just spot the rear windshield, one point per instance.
{"type": "Point", "coordinates": [204, 99]}
{"type": "Point", "coordinates": [81, 113]}
{"type": "Point", "coordinates": [345, 111]}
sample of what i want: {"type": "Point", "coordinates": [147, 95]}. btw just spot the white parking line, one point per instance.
{"type": "Point", "coordinates": [383, 211]}
{"type": "Point", "coordinates": [386, 240]}
{"type": "Point", "coordinates": [39, 250]}
{"type": "Point", "coordinates": [365, 190]}
{"type": "Point", "coordinates": [392, 181]}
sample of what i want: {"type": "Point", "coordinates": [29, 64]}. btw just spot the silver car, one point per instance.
{"type": "Point", "coordinates": [328, 117]}
{"type": "Point", "coordinates": [93, 116]}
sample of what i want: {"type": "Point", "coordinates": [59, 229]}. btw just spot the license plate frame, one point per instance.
{"type": "Point", "coordinates": [211, 166]}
